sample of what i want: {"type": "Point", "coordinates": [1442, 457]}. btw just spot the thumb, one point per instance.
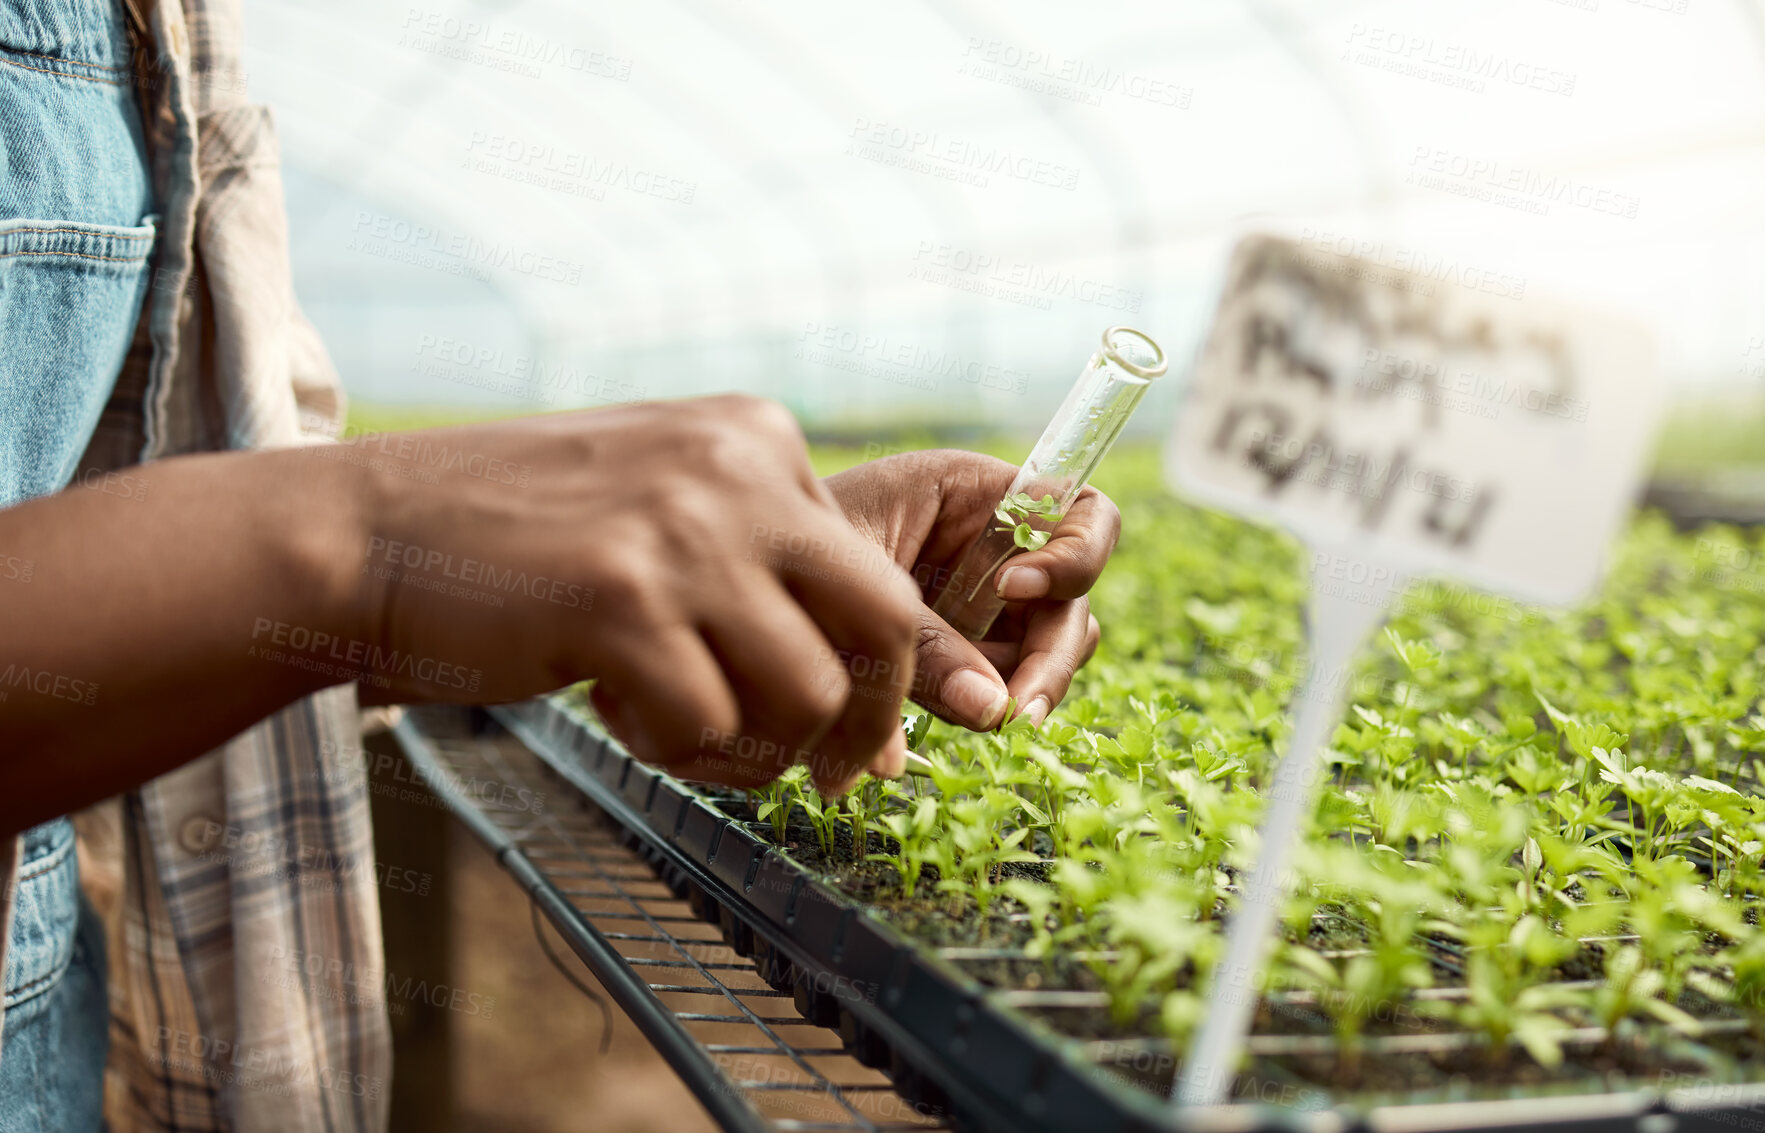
{"type": "Point", "coordinates": [953, 680]}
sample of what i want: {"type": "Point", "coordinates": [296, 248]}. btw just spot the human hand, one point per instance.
{"type": "Point", "coordinates": [733, 620]}
{"type": "Point", "coordinates": [924, 508]}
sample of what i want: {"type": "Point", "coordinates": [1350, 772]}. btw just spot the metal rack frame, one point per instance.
{"type": "Point", "coordinates": [646, 947]}
{"type": "Point", "coordinates": [1001, 1069]}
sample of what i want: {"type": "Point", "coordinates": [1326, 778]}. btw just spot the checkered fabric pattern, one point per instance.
{"type": "Point", "coordinates": [246, 932]}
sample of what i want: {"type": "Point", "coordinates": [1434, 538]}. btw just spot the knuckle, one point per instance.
{"type": "Point", "coordinates": [1100, 501]}
{"type": "Point", "coordinates": [723, 405]}
{"type": "Point", "coordinates": [619, 584]}
{"type": "Point", "coordinates": [762, 414]}
{"type": "Point", "coordinates": [623, 585]}
{"type": "Point", "coordinates": [688, 513]}
{"type": "Point", "coordinates": [714, 448]}
{"type": "Point", "coordinates": [1093, 497]}
{"type": "Point", "coordinates": [573, 446]}
{"type": "Point", "coordinates": [731, 455]}
{"type": "Point", "coordinates": [774, 418]}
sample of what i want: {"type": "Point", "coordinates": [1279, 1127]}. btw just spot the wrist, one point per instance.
{"type": "Point", "coordinates": [324, 536]}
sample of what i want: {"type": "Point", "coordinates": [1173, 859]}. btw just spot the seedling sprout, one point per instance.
{"type": "Point", "coordinates": [1072, 446]}
{"type": "Point", "coordinates": [1537, 850]}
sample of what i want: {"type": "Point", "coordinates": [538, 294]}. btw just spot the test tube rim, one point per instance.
{"type": "Point", "coordinates": [1147, 372]}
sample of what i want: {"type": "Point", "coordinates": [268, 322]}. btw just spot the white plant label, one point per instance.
{"type": "Point", "coordinates": [1401, 426]}
{"type": "Point", "coordinates": [1446, 430]}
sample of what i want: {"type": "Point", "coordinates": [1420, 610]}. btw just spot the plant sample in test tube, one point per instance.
{"type": "Point", "coordinates": [1072, 446]}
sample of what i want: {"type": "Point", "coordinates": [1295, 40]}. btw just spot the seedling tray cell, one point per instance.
{"type": "Point", "coordinates": [961, 1034]}
{"type": "Point", "coordinates": [904, 1010]}
{"type": "Point", "coordinates": [618, 901]}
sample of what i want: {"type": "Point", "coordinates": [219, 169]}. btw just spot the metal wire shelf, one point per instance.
{"type": "Point", "coordinates": [754, 1068]}
{"type": "Point", "coordinates": [1055, 1007]}
{"type": "Point", "coordinates": [1136, 1067]}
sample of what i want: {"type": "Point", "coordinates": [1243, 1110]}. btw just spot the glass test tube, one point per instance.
{"type": "Point", "coordinates": [1073, 444]}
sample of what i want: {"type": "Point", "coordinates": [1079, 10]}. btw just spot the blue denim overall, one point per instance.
{"type": "Point", "coordinates": [76, 237]}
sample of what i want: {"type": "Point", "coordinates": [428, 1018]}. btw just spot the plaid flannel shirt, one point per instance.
{"type": "Point", "coordinates": [245, 929]}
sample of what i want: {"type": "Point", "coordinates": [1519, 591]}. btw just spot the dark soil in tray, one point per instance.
{"type": "Point", "coordinates": [951, 920]}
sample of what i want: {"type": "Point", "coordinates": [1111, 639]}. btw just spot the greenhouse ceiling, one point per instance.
{"type": "Point", "coordinates": [926, 212]}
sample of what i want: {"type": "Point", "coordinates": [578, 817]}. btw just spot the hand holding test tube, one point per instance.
{"type": "Point", "coordinates": [1072, 446]}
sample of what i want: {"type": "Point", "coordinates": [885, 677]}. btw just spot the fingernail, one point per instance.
{"type": "Point", "coordinates": [976, 699]}
{"type": "Point", "coordinates": [1018, 583]}
{"type": "Point", "coordinates": [1038, 710]}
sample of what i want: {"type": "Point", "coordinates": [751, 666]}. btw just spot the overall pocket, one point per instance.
{"type": "Point", "coordinates": [57, 1018]}
{"type": "Point", "coordinates": [44, 915]}
{"type": "Point", "coordinates": [70, 294]}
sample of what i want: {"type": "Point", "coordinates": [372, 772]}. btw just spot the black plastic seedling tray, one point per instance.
{"type": "Point", "coordinates": [952, 1045]}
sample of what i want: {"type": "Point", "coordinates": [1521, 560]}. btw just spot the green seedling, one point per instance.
{"type": "Point", "coordinates": [1015, 512]}
{"type": "Point", "coordinates": [913, 832]}
{"type": "Point", "coordinates": [1569, 807]}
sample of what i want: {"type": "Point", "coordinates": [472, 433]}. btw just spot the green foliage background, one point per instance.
{"type": "Point", "coordinates": [1539, 847]}
{"type": "Point", "coordinates": [1539, 842]}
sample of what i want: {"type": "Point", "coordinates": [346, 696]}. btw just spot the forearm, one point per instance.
{"type": "Point", "coordinates": [475, 564]}
{"type": "Point", "coordinates": [155, 622]}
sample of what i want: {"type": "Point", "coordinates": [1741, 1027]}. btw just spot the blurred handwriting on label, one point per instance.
{"type": "Point", "coordinates": [1432, 426]}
